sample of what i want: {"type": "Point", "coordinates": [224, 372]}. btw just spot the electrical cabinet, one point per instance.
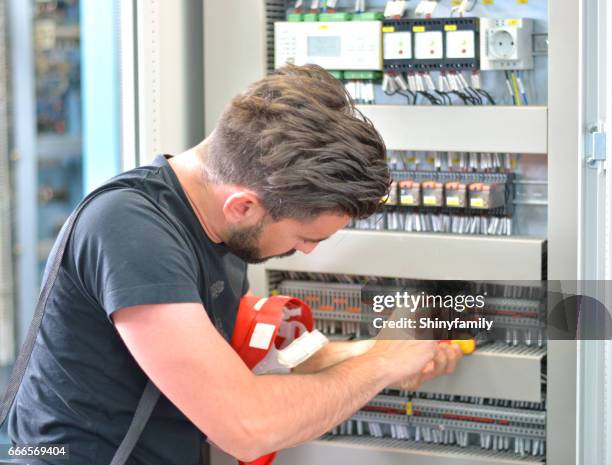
{"type": "Point", "coordinates": [529, 253]}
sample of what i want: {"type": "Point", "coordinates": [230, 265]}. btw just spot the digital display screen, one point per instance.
{"type": "Point", "coordinates": [324, 46]}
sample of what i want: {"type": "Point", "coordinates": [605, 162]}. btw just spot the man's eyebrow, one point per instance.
{"type": "Point", "coordinates": [314, 240]}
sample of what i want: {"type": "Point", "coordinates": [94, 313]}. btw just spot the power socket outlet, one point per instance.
{"type": "Point", "coordinates": [506, 44]}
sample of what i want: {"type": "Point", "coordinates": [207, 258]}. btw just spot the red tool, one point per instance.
{"type": "Point", "coordinates": [261, 322]}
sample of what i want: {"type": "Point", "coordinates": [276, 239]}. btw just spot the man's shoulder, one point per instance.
{"type": "Point", "coordinates": [123, 213]}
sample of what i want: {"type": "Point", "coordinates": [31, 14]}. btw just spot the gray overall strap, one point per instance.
{"type": "Point", "coordinates": [149, 397]}
{"type": "Point", "coordinates": [23, 359]}
{"type": "Point", "coordinates": [145, 407]}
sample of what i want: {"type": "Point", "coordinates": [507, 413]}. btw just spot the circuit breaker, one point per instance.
{"type": "Point", "coordinates": [397, 45]}
{"type": "Point", "coordinates": [430, 43]}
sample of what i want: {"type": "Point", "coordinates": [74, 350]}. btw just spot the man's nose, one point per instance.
{"type": "Point", "coordinates": [305, 247]}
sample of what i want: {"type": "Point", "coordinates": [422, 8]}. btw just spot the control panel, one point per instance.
{"type": "Point", "coordinates": [343, 45]}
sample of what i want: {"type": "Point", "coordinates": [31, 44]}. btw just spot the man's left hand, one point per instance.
{"type": "Point", "coordinates": [444, 363]}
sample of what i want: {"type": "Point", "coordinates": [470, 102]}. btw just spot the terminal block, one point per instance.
{"type": "Point", "coordinates": [490, 427]}
{"type": "Point", "coordinates": [456, 194]}
{"type": "Point", "coordinates": [487, 196]}
{"type": "Point", "coordinates": [518, 313]}
{"type": "Point", "coordinates": [409, 193]}
{"type": "Point", "coordinates": [448, 422]}
{"type": "Point", "coordinates": [335, 306]}
{"type": "Point", "coordinates": [433, 193]}
{"type": "Point", "coordinates": [517, 321]}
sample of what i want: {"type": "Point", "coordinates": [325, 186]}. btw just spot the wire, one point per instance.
{"type": "Point", "coordinates": [445, 97]}
{"type": "Point", "coordinates": [522, 88]}
{"type": "Point", "coordinates": [411, 96]}
{"type": "Point", "coordinates": [517, 100]}
{"type": "Point", "coordinates": [471, 92]}
{"type": "Point", "coordinates": [487, 95]}
{"type": "Point", "coordinates": [466, 98]}
{"type": "Point", "coordinates": [432, 99]}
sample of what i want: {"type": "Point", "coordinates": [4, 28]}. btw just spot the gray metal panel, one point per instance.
{"type": "Point", "coordinates": [369, 451]}
{"type": "Point", "coordinates": [564, 168]}
{"type": "Point", "coordinates": [170, 72]}
{"type": "Point", "coordinates": [466, 128]}
{"type": "Point", "coordinates": [594, 386]}
{"type": "Point", "coordinates": [7, 303]}
{"type": "Point", "coordinates": [234, 52]}
{"type": "Point", "coordinates": [495, 373]}
{"type": "Point", "coordinates": [421, 256]}
{"type": "Point", "coordinates": [24, 154]}
{"type": "Point", "coordinates": [128, 83]}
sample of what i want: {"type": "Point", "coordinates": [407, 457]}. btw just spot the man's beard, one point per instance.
{"type": "Point", "coordinates": [244, 242]}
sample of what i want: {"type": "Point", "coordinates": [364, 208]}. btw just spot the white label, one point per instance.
{"type": "Point", "coordinates": [430, 200]}
{"type": "Point", "coordinates": [453, 201]}
{"type": "Point", "coordinates": [394, 8]}
{"type": "Point", "coordinates": [260, 303]}
{"type": "Point", "coordinates": [407, 199]}
{"type": "Point", "coordinates": [428, 45]}
{"type": "Point", "coordinates": [397, 45]}
{"type": "Point", "coordinates": [477, 202]}
{"type": "Point", "coordinates": [262, 336]}
{"type": "Point", "coordinates": [425, 8]}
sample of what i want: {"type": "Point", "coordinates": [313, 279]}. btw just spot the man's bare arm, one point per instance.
{"type": "Point", "coordinates": [332, 353]}
{"type": "Point", "coordinates": [246, 415]}
{"type": "Point", "coordinates": [445, 361]}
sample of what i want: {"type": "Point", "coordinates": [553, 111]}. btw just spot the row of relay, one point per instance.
{"type": "Point", "coordinates": [357, 46]}
{"type": "Point", "coordinates": [437, 190]}
{"type": "Point", "coordinates": [457, 43]}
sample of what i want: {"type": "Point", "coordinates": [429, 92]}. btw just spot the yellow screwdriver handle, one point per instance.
{"type": "Point", "coordinates": [467, 346]}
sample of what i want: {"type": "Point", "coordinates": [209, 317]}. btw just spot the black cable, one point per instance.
{"type": "Point", "coordinates": [471, 91]}
{"type": "Point", "coordinates": [446, 97]}
{"type": "Point", "coordinates": [433, 100]}
{"type": "Point", "coordinates": [487, 95]}
{"type": "Point", "coordinates": [409, 95]}
{"type": "Point", "coordinates": [443, 96]}
{"type": "Point", "coordinates": [466, 100]}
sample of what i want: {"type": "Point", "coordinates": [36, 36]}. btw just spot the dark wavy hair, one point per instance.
{"type": "Point", "coordinates": [296, 138]}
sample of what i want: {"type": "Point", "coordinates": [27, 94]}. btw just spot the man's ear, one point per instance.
{"type": "Point", "coordinates": [243, 207]}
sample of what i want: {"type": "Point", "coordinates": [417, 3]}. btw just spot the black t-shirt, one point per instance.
{"type": "Point", "coordinates": [140, 243]}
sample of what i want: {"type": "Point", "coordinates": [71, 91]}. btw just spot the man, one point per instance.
{"type": "Point", "coordinates": [154, 271]}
